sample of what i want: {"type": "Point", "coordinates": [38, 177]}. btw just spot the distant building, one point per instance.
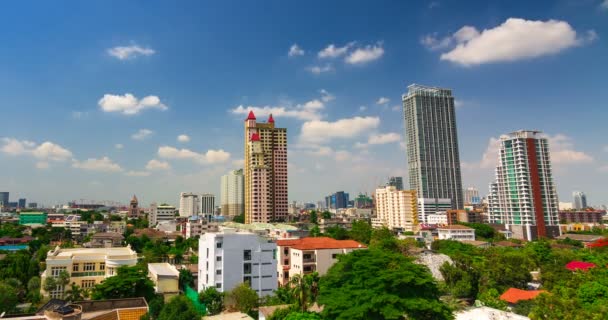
{"type": "Point", "coordinates": [189, 204]}
{"type": "Point", "coordinates": [523, 196]}
{"type": "Point", "coordinates": [165, 278]}
{"type": "Point", "coordinates": [32, 205]}
{"type": "Point", "coordinates": [456, 232]}
{"type": "Point", "coordinates": [581, 216]}
{"type": "Point", "coordinates": [469, 216]}
{"type": "Point", "coordinates": [363, 201]}
{"type": "Point", "coordinates": [21, 203]}
{"type": "Point", "coordinates": [580, 200]}
{"type": "Point", "coordinates": [197, 226]}
{"type": "Point", "coordinates": [133, 208]}
{"type": "Point", "coordinates": [432, 206]}
{"type": "Point", "coordinates": [4, 199]}
{"type": "Point", "coordinates": [86, 266]}
{"type": "Point", "coordinates": [106, 240]}
{"type": "Point", "coordinates": [437, 218]}
{"type": "Point", "coordinates": [397, 209]}
{"type": "Point", "coordinates": [338, 200]}
{"type": "Point", "coordinates": [233, 194]}
{"type": "Point", "coordinates": [396, 182]}
{"type": "Point", "coordinates": [471, 196]}
{"type": "Point", "coordinates": [565, 206]}
{"type": "Point", "coordinates": [163, 212]}
{"type": "Point", "coordinates": [308, 255]}
{"type": "Point", "coordinates": [229, 258]}
{"type": "Point", "coordinates": [29, 218]}
{"type": "Point", "coordinates": [207, 204]}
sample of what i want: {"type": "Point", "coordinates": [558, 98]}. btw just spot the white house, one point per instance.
{"type": "Point", "coordinates": [456, 232]}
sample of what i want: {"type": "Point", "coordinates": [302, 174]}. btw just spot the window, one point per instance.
{"type": "Point", "coordinates": [102, 266]}
{"type": "Point", "coordinates": [247, 268]}
{"type": "Point", "coordinates": [334, 256]}
{"type": "Point", "coordinates": [218, 272]}
{"type": "Point", "coordinates": [246, 255]}
{"type": "Point", "coordinates": [218, 245]}
{"type": "Point", "coordinates": [88, 284]}
{"type": "Point", "coordinates": [247, 280]}
{"type": "Point", "coordinates": [89, 266]}
{"type": "Point", "coordinates": [75, 267]}
{"type": "Point", "coordinates": [218, 258]}
{"type": "Point", "coordinates": [55, 271]}
{"type": "Point", "coordinates": [218, 285]}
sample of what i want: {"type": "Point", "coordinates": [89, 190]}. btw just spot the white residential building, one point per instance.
{"type": "Point", "coordinates": [233, 194]}
{"type": "Point", "coordinates": [189, 204]}
{"type": "Point", "coordinates": [456, 232]}
{"type": "Point", "coordinates": [163, 212]}
{"type": "Point", "coordinates": [307, 255]}
{"type": "Point", "coordinates": [440, 218]}
{"type": "Point", "coordinates": [197, 226]}
{"type": "Point", "coordinates": [432, 206]}
{"type": "Point", "coordinates": [397, 209]}
{"type": "Point", "coordinates": [229, 258]}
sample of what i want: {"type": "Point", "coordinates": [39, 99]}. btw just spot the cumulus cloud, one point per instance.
{"type": "Point", "coordinates": [383, 100]}
{"type": "Point", "coordinates": [158, 165]}
{"type": "Point", "coordinates": [103, 164]}
{"type": "Point", "coordinates": [310, 110]}
{"type": "Point", "coordinates": [380, 138]}
{"type": "Point", "coordinates": [515, 39]}
{"type": "Point", "coordinates": [129, 52]}
{"type": "Point", "coordinates": [326, 96]}
{"type": "Point", "coordinates": [316, 131]}
{"type": "Point", "coordinates": [604, 5]}
{"type": "Point", "coordinates": [295, 50]}
{"type": "Point", "coordinates": [128, 104]}
{"type": "Point", "coordinates": [364, 55]}
{"type": "Point", "coordinates": [331, 51]}
{"type": "Point", "coordinates": [183, 138]}
{"type": "Point", "coordinates": [46, 151]}
{"type": "Point", "coordinates": [133, 173]}
{"type": "Point", "coordinates": [119, 146]}
{"type": "Point", "coordinates": [321, 69]}
{"type": "Point", "coordinates": [210, 157]}
{"type": "Point", "coordinates": [142, 134]}
{"type": "Point", "coordinates": [325, 151]}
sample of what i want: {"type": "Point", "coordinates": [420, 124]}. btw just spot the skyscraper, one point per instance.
{"type": "Point", "coordinates": [265, 171]}
{"type": "Point", "coordinates": [338, 200]}
{"type": "Point", "coordinates": [21, 203]}
{"type": "Point", "coordinates": [471, 196]}
{"type": "Point", "coordinates": [232, 194]}
{"type": "Point", "coordinates": [523, 197]}
{"type": "Point", "coordinates": [189, 204]}
{"type": "Point", "coordinates": [396, 182]}
{"type": "Point", "coordinates": [4, 199]}
{"type": "Point", "coordinates": [432, 144]}
{"type": "Point", "coordinates": [580, 200]}
{"type": "Point", "coordinates": [207, 204]}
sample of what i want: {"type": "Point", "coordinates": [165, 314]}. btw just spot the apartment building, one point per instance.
{"type": "Point", "coordinates": [163, 212]}
{"type": "Point", "coordinates": [307, 255]}
{"type": "Point", "coordinates": [86, 266]}
{"type": "Point", "coordinates": [397, 209]}
{"type": "Point", "coordinates": [456, 232]}
{"type": "Point", "coordinates": [229, 258]}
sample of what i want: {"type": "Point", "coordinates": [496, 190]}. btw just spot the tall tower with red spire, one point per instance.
{"type": "Point", "coordinates": [265, 171]}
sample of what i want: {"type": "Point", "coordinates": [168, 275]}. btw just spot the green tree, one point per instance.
{"type": "Point", "coordinates": [504, 269]}
{"type": "Point", "coordinates": [361, 231]}
{"type": "Point", "coordinates": [303, 316]}
{"type": "Point", "coordinates": [242, 298]}
{"type": "Point", "coordinates": [491, 298]}
{"type": "Point", "coordinates": [384, 239]}
{"type": "Point", "coordinates": [130, 282]}
{"type": "Point", "coordinates": [461, 278]}
{"type": "Point", "coordinates": [240, 218]}
{"type": "Point", "coordinates": [212, 299]}
{"type": "Point", "coordinates": [337, 233]}
{"type": "Point", "coordinates": [314, 218]}
{"type": "Point", "coordinates": [326, 214]}
{"type": "Point", "coordinates": [8, 298]}
{"type": "Point", "coordinates": [304, 289]}
{"type": "Point", "coordinates": [315, 231]}
{"type": "Point", "coordinates": [378, 284]}
{"type": "Point", "coordinates": [186, 279]}
{"type": "Point", "coordinates": [179, 308]}
{"type": "Point", "coordinates": [75, 293]}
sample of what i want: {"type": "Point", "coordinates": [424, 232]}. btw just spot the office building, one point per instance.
{"type": "Point", "coordinates": [397, 209]}
{"type": "Point", "coordinates": [229, 258]}
{"type": "Point", "coordinates": [307, 255]}
{"type": "Point", "coordinates": [428, 207]}
{"type": "Point", "coordinates": [4, 199]}
{"type": "Point", "coordinates": [338, 200]}
{"type": "Point", "coordinates": [32, 218]}
{"type": "Point", "coordinates": [21, 203]}
{"type": "Point", "coordinates": [189, 204]}
{"type": "Point", "coordinates": [396, 182]}
{"type": "Point", "coordinates": [207, 204]}
{"type": "Point", "coordinates": [265, 171]}
{"type": "Point", "coordinates": [85, 266]}
{"type": "Point", "coordinates": [580, 200]}
{"type": "Point", "coordinates": [163, 212]}
{"type": "Point", "coordinates": [432, 144]}
{"type": "Point", "coordinates": [165, 278]}
{"type": "Point", "coordinates": [523, 196]}
{"type": "Point", "coordinates": [133, 208]}
{"type": "Point", "coordinates": [232, 194]}
{"type": "Point", "coordinates": [471, 196]}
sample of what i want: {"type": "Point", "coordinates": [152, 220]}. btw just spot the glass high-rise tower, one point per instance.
{"type": "Point", "coordinates": [432, 144]}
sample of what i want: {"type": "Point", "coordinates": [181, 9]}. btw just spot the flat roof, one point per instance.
{"type": "Point", "coordinates": [455, 227]}
{"type": "Point", "coordinates": [163, 269]}
{"type": "Point", "coordinates": [580, 237]}
{"type": "Point", "coordinates": [315, 243]}
{"type": "Point", "coordinates": [70, 252]}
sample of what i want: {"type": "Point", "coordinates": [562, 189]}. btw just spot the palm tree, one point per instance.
{"type": "Point", "coordinates": [75, 293]}
{"type": "Point", "coordinates": [304, 289]}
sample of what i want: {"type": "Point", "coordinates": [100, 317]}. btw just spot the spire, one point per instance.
{"type": "Point", "coordinates": [255, 137]}
{"type": "Point", "coordinates": [270, 119]}
{"type": "Point", "coordinates": [134, 199]}
{"type": "Point", "coordinates": [251, 116]}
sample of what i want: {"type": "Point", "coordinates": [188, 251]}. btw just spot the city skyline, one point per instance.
{"type": "Point", "coordinates": [155, 109]}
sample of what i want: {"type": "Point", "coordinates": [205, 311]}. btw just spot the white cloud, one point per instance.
{"type": "Point", "coordinates": [362, 108]}
{"type": "Point", "coordinates": [325, 151]}
{"type": "Point", "coordinates": [42, 165]}
{"type": "Point", "coordinates": [128, 104]}
{"type": "Point", "coordinates": [129, 52]}
{"type": "Point", "coordinates": [331, 51]}
{"type": "Point", "coordinates": [310, 110]}
{"type": "Point", "coordinates": [158, 165]}
{"type": "Point", "coordinates": [119, 146]}
{"type": "Point", "coordinates": [103, 164]}
{"type": "Point", "coordinates": [210, 157]}
{"type": "Point", "coordinates": [133, 173]}
{"type": "Point", "coordinates": [238, 163]}
{"type": "Point", "coordinates": [604, 5]}
{"type": "Point", "coordinates": [515, 39]}
{"type": "Point", "coordinates": [295, 50]}
{"type": "Point", "coordinates": [183, 138]}
{"type": "Point", "coordinates": [79, 114]}
{"type": "Point", "coordinates": [383, 100]}
{"type": "Point", "coordinates": [142, 134]}
{"type": "Point", "coordinates": [321, 69]}
{"type": "Point", "coordinates": [384, 138]}
{"type": "Point", "coordinates": [46, 151]}
{"type": "Point", "coordinates": [320, 131]}
{"type": "Point", "coordinates": [366, 54]}
{"type": "Point", "coordinates": [396, 108]}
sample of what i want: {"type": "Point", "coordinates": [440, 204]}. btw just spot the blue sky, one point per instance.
{"type": "Point", "coordinates": [79, 81]}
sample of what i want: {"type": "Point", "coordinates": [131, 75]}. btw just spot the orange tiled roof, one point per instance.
{"type": "Point", "coordinates": [513, 295]}
{"type": "Point", "coordinates": [310, 243]}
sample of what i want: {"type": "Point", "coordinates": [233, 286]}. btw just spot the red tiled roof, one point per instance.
{"type": "Point", "coordinates": [251, 116]}
{"type": "Point", "coordinates": [255, 137]}
{"type": "Point", "coordinates": [513, 295]}
{"type": "Point", "coordinates": [579, 265]}
{"type": "Point", "coordinates": [310, 243]}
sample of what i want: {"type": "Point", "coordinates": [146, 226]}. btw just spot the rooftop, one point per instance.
{"type": "Point", "coordinates": [316, 243]}
{"type": "Point", "coordinates": [580, 237]}
{"type": "Point", "coordinates": [455, 227]}
{"type": "Point", "coordinates": [513, 295]}
{"type": "Point", "coordinates": [163, 269]}
{"type": "Point", "coordinates": [579, 265]}
{"type": "Point", "coordinates": [487, 313]}
{"type": "Point", "coordinates": [417, 89]}
{"type": "Point", "coordinates": [229, 316]}
{"type": "Point", "coordinates": [69, 253]}
{"type": "Point", "coordinates": [102, 235]}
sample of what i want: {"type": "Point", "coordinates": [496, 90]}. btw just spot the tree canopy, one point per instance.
{"type": "Point", "coordinates": [179, 308]}
{"type": "Point", "coordinates": [130, 282]}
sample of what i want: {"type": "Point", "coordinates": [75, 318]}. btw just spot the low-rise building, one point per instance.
{"type": "Point", "coordinates": [165, 278]}
{"type": "Point", "coordinates": [163, 212]}
{"type": "Point", "coordinates": [228, 258]}
{"type": "Point", "coordinates": [197, 226]}
{"type": "Point", "coordinates": [307, 255]}
{"type": "Point", "coordinates": [32, 218]}
{"type": "Point", "coordinates": [456, 232]}
{"type": "Point", "coordinates": [85, 266]}
{"type": "Point", "coordinates": [582, 216]}
{"type": "Point", "coordinates": [106, 240]}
